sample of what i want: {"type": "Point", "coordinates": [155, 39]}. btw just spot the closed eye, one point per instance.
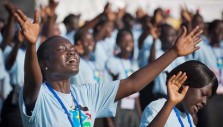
{"type": "Point", "coordinates": [61, 48]}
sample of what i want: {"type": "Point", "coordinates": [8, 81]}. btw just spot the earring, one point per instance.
{"type": "Point", "coordinates": [46, 68]}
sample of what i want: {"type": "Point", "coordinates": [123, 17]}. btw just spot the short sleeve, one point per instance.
{"type": "Point", "coordinates": [111, 65]}
{"type": "Point", "coordinates": [28, 120]}
{"type": "Point", "coordinates": [148, 115]}
{"type": "Point", "coordinates": [151, 111]}
{"type": "Point", "coordinates": [102, 98]}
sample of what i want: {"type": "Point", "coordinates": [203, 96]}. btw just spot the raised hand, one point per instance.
{"type": "Point", "coordinates": [174, 87]}
{"type": "Point", "coordinates": [186, 43]}
{"type": "Point", "coordinates": [20, 37]}
{"type": "Point", "coordinates": [10, 8]}
{"type": "Point", "coordinates": [111, 16]}
{"type": "Point", "coordinates": [121, 12]}
{"type": "Point", "coordinates": [29, 30]}
{"type": "Point", "coordinates": [50, 9]}
{"type": "Point", "coordinates": [153, 31]}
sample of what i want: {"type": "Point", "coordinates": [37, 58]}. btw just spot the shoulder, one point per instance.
{"type": "Point", "coordinates": [156, 105]}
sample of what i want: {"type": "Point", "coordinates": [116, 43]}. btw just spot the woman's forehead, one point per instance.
{"type": "Point", "coordinates": [59, 41]}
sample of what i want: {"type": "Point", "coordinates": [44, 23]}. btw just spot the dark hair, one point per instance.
{"type": "Point", "coordinates": [121, 33]}
{"type": "Point", "coordinates": [79, 35]}
{"type": "Point", "coordinates": [213, 25]}
{"type": "Point", "coordinates": [127, 16]}
{"type": "Point", "coordinates": [198, 75]}
{"type": "Point", "coordinates": [68, 19]}
{"type": "Point", "coordinates": [197, 15]}
{"type": "Point", "coordinates": [101, 23]}
{"type": "Point", "coordinates": [164, 30]}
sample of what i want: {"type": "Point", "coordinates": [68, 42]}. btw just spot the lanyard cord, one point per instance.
{"type": "Point", "coordinates": [79, 109]}
{"type": "Point", "coordinates": [179, 119]}
{"type": "Point", "coordinates": [221, 57]}
{"type": "Point", "coordinates": [64, 108]}
{"type": "Point", "coordinates": [123, 66]}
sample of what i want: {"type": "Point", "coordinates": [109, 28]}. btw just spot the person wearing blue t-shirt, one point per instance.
{"type": "Point", "coordinates": [90, 71]}
{"type": "Point", "coordinates": [185, 97]}
{"type": "Point", "coordinates": [129, 109]}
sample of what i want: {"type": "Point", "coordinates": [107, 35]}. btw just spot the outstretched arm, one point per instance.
{"type": "Point", "coordinates": [10, 26]}
{"type": "Point", "coordinates": [184, 45]}
{"type": "Point", "coordinates": [33, 76]}
{"type": "Point", "coordinates": [174, 97]}
{"type": "Point", "coordinates": [10, 60]}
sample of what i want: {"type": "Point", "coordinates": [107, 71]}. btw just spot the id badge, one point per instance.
{"type": "Point", "coordinates": [220, 62]}
{"type": "Point", "coordinates": [99, 75]}
{"type": "Point", "coordinates": [128, 72]}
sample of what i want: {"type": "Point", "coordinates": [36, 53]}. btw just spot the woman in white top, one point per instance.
{"type": "Point", "coordinates": [176, 110]}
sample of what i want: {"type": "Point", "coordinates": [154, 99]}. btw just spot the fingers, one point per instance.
{"type": "Point", "coordinates": [193, 31]}
{"type": "Point", "coordinates": [185, 89]}
{"type": "Point", "coordinates": [36, 17]}
{"type": "Point", "coordinates": [182, 78]}
{"type": "Point", "coordinates": [197, 34]}
{"type": "Point", "coordinates": [18, 18]}
{"type": "Point", "coordinates": [178, 80]}
{"type": "Point", "coordinates": [178, 75]}
{"type": "Point", "coordinates": [198, 40]}
{"type": "Point", "coordinates": [184, 33]}
{"type": "Point", "coordinates": [22, 15]}
{"type": "Point", "coordinates": [171, 78]}
{"type": "Point", "coordinates": [196, 48]}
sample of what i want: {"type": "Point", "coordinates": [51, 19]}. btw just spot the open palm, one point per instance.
{"type": "Point", "coordinates": [186, 43]}
{"type": "Point", "coordinates": [174, 86]}
{"type": "Point", "coordinates": [28, 29]}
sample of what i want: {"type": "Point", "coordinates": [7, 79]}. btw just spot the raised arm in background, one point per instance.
{"type": "Point", "coordinates": [184, 45]}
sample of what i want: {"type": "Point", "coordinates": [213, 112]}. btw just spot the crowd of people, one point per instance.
{"type": "Point", "coordinates": [116, 70]}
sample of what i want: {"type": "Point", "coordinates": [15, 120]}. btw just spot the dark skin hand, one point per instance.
{"type": "Point", "coordinates": [9, 28]}
{"type": "Point", "coordinates": [10, 60]}
{"type": "Point", "coordinates": [175, 97]}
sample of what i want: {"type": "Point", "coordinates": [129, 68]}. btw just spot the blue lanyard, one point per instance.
{"type": "Point", "coordinates": [218, 65]}
{"type": "Point", "coordinates": [64, 108]}
{"type": "Point", "coordinates": [126, 70]}
{"type": "Point", "coordinates": [179, 119]}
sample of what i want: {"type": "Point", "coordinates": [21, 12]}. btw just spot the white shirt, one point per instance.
{"type": "Point", "coordinates": [94, 100]}
{"type": "Point", "coordinates": [16, 72]}
{"type": "Point", "coordinates": [153, 109]}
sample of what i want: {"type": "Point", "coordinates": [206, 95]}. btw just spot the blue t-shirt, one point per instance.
{"type": "Point", "coordinates": [94, 100]}
{"type": "Point", "coordinates": [90, 72]}
{"type": "Point", "coordinates": [16, 72]}
{"type": "Point", "coordinates": [153, 109]}
{"type": "Point", "coordinates": [160, 81]}
{"type": "Point", "coordinates": [213, 58]}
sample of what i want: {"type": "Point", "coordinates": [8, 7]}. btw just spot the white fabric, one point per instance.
{"type": "Point", "coordinates": [16, 72]}
{"type": "Point", "coordinates": [208, 55]}
{"type": "Point", "coordinates": [145, 51]}
{"type": "Point", "coordinates": [95, 100]}
{"type": "Point", "coordinates": [153, 109]}
{"type": "Point", "coordinates": [123, 68]}
{"type": "Point", "coordinates": [90, 72]}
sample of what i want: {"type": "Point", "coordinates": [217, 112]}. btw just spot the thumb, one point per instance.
{"type": "Point", "coordinates": [184, 91]}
